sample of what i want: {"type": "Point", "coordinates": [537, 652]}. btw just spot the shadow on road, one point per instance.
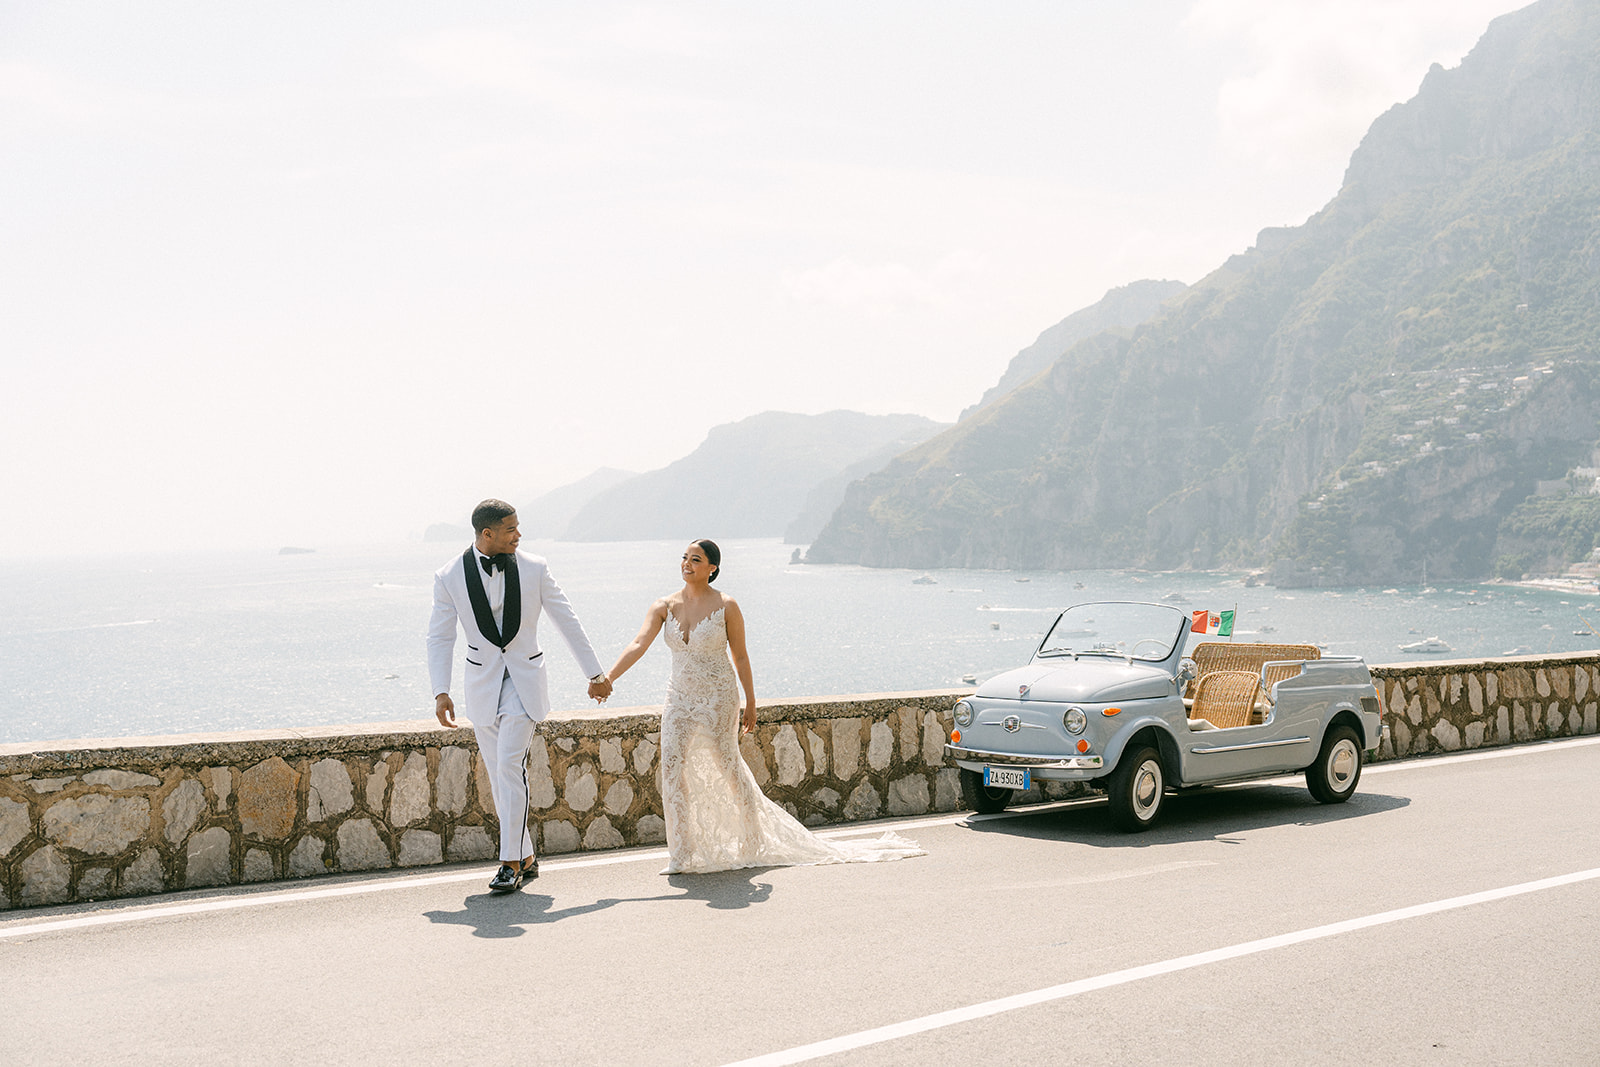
{"type": "Point", "coordinates": [510, 915]}
{"type": "Point", "coordinates": [1197, 815]}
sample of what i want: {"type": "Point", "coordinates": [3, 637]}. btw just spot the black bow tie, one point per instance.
{"type": "Point", "coordinates": [491, 562]}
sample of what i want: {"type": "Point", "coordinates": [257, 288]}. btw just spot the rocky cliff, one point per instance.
{"type": "Point", "coordinates": [1349, 400]}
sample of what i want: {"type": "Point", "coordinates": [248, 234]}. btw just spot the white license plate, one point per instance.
{"type": "Point", "coordinates": [1007, 777]}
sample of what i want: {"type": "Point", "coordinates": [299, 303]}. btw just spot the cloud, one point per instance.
{"type": "Point", "coordinates": [1314, 73]}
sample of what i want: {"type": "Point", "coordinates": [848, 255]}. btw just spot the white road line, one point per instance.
{"type": "Point", "coordinates": [19, 926]}
{"type": "Point", "coordinates": [955, 1016]}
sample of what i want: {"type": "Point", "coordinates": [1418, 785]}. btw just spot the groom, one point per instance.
{"type": "Point", "coordinates": [496, 594]}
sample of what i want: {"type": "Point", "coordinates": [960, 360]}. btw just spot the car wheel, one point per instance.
{"type": "Point", "coordinates": [1136, 790]}
{"type": "Point", "coordinates": [985, 800]}
{"type": "Point", "coordinates": [1338, 768]}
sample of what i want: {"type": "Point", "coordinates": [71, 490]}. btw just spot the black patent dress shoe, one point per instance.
{"type": "Point", "coordinates": [530, 869]}
{"type": "Point", "coordinates": [505, 880]}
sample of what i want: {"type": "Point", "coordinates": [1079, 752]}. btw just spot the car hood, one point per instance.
{"type": "Point", "coordinates": [1088, 680]}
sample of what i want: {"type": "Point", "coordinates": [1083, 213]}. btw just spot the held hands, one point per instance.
{"type": "Point", "coordinates": [600, 689]}
{"type": "Point", "coordinates": [445, 709]}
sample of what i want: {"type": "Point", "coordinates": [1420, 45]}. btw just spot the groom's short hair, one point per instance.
{"type": "Point", "coordinates": [489, 513]}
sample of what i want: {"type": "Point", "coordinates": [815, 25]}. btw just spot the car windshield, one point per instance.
{"type": "Point", "coordinates": [1139, 631]}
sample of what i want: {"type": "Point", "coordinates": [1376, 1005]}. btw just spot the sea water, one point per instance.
{"type": "Point", "coordinates": [135, 645]}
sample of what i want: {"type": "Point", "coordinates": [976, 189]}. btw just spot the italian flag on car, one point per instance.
{"type": "Point", "coordinates": [1212, 622]}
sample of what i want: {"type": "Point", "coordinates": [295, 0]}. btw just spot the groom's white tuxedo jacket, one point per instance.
{"type": "Point", "coordinates": [528, 590]}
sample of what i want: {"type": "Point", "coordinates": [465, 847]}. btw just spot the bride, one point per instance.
{"type": "Point", "coordinates": [717, 817]}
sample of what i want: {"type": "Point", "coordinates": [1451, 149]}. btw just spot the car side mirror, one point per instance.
{"type": "Point", "coordinates": [1185, 675]}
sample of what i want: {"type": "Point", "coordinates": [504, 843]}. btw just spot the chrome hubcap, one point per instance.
{"type": "Point", "coordinates": [1147, 788]}
{"type": "Point", "coordinates": [1342, 764]}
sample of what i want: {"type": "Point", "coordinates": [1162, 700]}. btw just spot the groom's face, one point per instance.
{"type": "Point", "coordinates": [502, 537]}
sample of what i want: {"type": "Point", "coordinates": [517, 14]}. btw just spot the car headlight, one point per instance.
{"type": "Point", "coordinates": [1074, 720]}
{"type": "Point", "coordinates": [963, 713]}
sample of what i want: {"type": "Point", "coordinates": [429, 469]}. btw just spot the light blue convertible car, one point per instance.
{"type": "Point", "coordinates": [1112, 699]}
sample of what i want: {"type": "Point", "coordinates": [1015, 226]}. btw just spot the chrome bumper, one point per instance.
{"type": "Point", "coordinates": [1054, 763]}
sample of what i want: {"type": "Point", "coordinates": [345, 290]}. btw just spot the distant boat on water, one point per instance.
{"type": "Point", "coordinates": [1430, 644]}
{"type": "Point", "coordinates": [291, 550]}
{"type": "Point", "coordinates": [926, 579]}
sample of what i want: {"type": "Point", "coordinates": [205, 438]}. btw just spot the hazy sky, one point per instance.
{"type": "Point", "coordinates": [295, 273]}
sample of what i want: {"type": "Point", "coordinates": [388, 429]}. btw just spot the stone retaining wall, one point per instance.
{"type": "Point", "coordinates": [98, 819]}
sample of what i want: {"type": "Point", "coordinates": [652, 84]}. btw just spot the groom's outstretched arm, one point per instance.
{"type": "Point", "coordinates": [554, 602]}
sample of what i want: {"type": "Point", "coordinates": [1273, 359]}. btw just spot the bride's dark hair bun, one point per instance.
{"type": "Point", "coordinates": [713, 557]}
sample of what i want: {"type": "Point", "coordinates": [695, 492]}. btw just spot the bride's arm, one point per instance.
{"type": "Point", "coordinates": [733, 619]}
{"type": "Point", "coordinates": [641, 640]}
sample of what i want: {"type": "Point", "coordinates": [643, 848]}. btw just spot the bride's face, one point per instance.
{"type": "Point", "coordinates": [695, 566]}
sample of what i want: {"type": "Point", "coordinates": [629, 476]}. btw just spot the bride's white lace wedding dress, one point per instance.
{"type": "Point", "coordinates": [717, 817]}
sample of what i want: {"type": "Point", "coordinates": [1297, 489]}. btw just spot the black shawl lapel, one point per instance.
{"type": "Point", "coordinates": [480, 600]}
{"type": "Point", "coordinates": [511, 612]}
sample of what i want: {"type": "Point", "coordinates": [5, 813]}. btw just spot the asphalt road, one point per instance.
{"type": "Point", "coordinates": [1448, 914]}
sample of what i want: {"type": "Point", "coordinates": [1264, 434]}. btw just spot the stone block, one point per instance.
{"type": "Point", "coordinates": [755, 759]}
{"type": "Point", "coordinates": [470, 843]}
{"type": "Point", "coordinates": [144, 874]}
{"type": "Point", "coordinates": [1580, 685]}
{"type": "Point", "coordinates": [1474, 734]}
{"type": "Point", "coordinates": [1447, 735]}
{"type": "Point", "coordinates": [864, 802]}
{"type": "Point", "coordinates": [1402, 737]}
{"type": "Point", "coordinates": [1541, 682]}
{"type": "Point", "coordinates": [409, 801]}
{"type": "Point", "coordinates": [47, 785]}
{"type": "Point", "coordinates": [330, 791]}
{"type": "Point", "coordinates": [880, 746]}
{"type": "Point", "coordinates": [480, 782]}
{"type": "Point", "coordinates": [947, 789]}
{"type": "Point", "coordinates": [44, 875]}
{"type": "Point", "coordinates": [1520, 729]}
{"type": "Point", "coordinates": [15, 824]}
{"type": "Point", "coordinates": [827, 799]}
{"type": "Point", "coordinates": [182, 809]}
{"type": "Point", "coordinates": [1474, 694]}
{"type": "Point", "coordinates": [308, 857]}
{"type": "Point", "coordinates": [566, 744]}
{"type": "Point", "coordinates": [601, 834]}
{"type": "Point", "coordinates": [908, 795]}
{"type": "Point", "coordinates": [846, 735]}
{"type": "Point", "coordinates": [209, 858]}
{"type": "Point", "coordinates": [619, 798]}
{"type": "Point", "coordinates": [581, 789]}
{"type": "Point", "coordinates": [222, 785]}
{"type": "Point", "coordinates": [258, 866]}
{"type": "Point", "coordinates": [909, 721]}
{"type": "Point", "coordinates": [378, 786]}
{"type": "Point", "coordinates": [611, 761]}
{"type": "Point", "coordinates": [560, 836]}
{"type": "Point", "coordinates": [1414, 711]}
{"type": "Point", "coordinates": [1554, 721]}
{"type": "Point", "coordinates": [1502, 724]}
{"type": "Point", "coordinates": [120, 779]}
{"type": "Point", "coordinates": [650, 830]}
{"type": "Point", "coordinates": [1491, 687]}
{"type": "Point", "coordinates": [1589, 724]}
{"type": "Point", "coordinates": [420, 848]}
{"type": "Point", "coordinates": [541, 786]}
{"type": "Point", "coordinates": [96, 823]}
{"type": "Point", "coordinates": [933, 737]}
{"type": "Point", "coordinates": [1561, 682]}
{"type": "Point", "coordinates": [268, 799]}
{"type": "Point", "coordinates": [789, 756]}
{"type": "Point", "coordinates": [819, 754]}
{"type": "Point", "coordinates": [455, 768]}
{"type": "Point", "coordinates": [94, 884]}
{"type": "Point", "coordinates": [360, 847]}
{"type": "Point", "coordinates": [644, 757]}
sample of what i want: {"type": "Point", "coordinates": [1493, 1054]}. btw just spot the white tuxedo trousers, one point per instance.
{"type": "Point", "coordinates": [503, 742]}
